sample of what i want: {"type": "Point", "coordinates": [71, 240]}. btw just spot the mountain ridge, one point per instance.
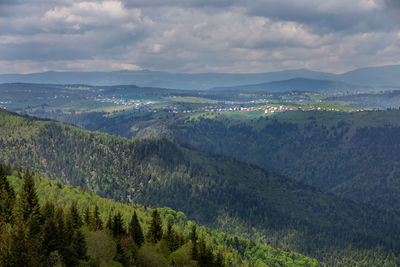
{"type": "Point", "coordinates": [376, 77]}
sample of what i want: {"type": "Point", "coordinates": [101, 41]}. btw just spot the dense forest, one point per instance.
{"type": "Point", "coordinates": [51, 224]}
{"type": "Point", "coordinates": [353, 155]}
{"type": "Point", "coordinates": [223, 193]}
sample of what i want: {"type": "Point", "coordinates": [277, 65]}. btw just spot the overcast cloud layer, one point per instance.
{"type": "Point", "coordinates": [198, 35]}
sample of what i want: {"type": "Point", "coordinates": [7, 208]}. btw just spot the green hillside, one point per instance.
{"type": "Point", "coordinates": [220, 192]}
{"type": "Point", "coordinates": [354, 155]}
{"type": "Point", "coordinates": [61, 212]}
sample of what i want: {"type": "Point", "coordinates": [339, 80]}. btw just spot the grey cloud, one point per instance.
{"type": "Point", "coordinates": [198, 35]}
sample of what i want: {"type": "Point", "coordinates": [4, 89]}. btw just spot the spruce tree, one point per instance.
{"type": "Point", "coordinates": [171, 238]}
{"type": "Point", "coordinates": [97, 223]}
{"type": "Point", "coordinates": [60, 224]}
{"type": "Point", "coordinates": [18, 251]}
{"type": "Point", "coordinates": [87, 218]}
{"type": "Point", "coordinates": [27, 205]}
{"type": "Point", "coordinates": [7, 200]}
{"type": "Point", "coordinates": [79, 245]}
{"type": "Point", "coordinates": [118, 225]}
{"type": "Point", "coordinates": [135, 230]}
{"type": "Point", "coordinates": [155, 230]}
{"type": "Point", "coordinates": [109, 223]}
{"type": "Point", "coordinates": [47, 211]}
{"type": "Point", "coordinates": [193, 238]}
{"type": "Point", "coordinates": [74, 216]}
{"type": "Point", "coordinates": [50, 236]}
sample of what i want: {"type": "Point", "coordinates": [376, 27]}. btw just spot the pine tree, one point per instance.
{"type": "Point", "coordinates": [75, 250]}
{"type": "Point", "coordinates": [109, 223]}
{"type": "Point", "coordinates": [7, 200]}
{"type": "Point", "coordinates": [60, 224]}
{"type": "Point", "coordinates": [47, 211]}
{"type": "Point", "coordinates": [118, 225]}
{"type": "Point", "coordinates": [135, 230]}
{"type": "Point", "coordinates": [205, 257]}
{"type": "Point", "coordinates": [19, 248]}
{"type": "Point", "coordinates": [193, 238]}
{"type": "Point", "coordinates": [171, 238]}
{"type": "Point", "coordinates": [74, 216]}
{"type": "Point", "coordinates": [27, 205]}
{"type": "Point", "coordinates": [97, 223]}
{"type": "Point", "coordinates": [50, 236]}
{"type": "Point", "coordinates": [155, 230]}
{"type": "Point", "coordinates": [87, 218]}
{"type": "Point", "coordinates": [79, 245]}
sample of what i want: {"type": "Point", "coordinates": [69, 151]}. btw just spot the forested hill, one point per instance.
{"type": "Point", "coordinates": [354, 155]}
{"type": "Point", "coordinates": [72, 227]}
{"type": "Point", "coordinates": [221, 192]}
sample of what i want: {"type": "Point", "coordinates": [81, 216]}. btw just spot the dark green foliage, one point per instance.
{"type": "Point", "coordinates": [120, 255]}
{"type": "Point", "coordinates": [205, 257]}
{"type": "Point", "coordinates": [135, 230]}
{"type": "Point", "coordinates": [154, 234]}
{"type": "Point", "coordinates": [73, 217]}
{"type": "Point", "coordinates": [117, 227]}
{"type": "Point", "coordinates": [193, 238]}
{"type": "Point", "coordinates": [171, 238]}
{"type": "Point", "coordinates": [50, 237]}
{"type": "Point", "coordinates": [109, 223]}
{"type": "Point", "coordinates": [27, 206]}
{"type": "Point", "coordinates": [7, 197]}
{"type": "Point", "coordinates": [96, 223]}
{"type": "Point", "coordinates": [87, 219]}
{"type": "Point", "coordinates": [217, 191]}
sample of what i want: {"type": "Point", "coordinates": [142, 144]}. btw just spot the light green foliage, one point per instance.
{"type": "Point", "coordinates": [101, 246]}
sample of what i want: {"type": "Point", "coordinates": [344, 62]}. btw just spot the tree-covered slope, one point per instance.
{"type": "Point", "coordinates": [221, 192]}
{"type": "Point", "coordinates": [64, 211]}
{"type": "Point", "coordinates": [354, 155]}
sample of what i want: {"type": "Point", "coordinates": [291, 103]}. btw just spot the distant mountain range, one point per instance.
{"type": "Point", "coordinates": [296, 84]}
{"type": "Point", "coordinates": [378, 77]}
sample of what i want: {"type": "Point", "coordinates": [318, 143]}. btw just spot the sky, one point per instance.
{"type": "Point", "coordinates": [230, 36]}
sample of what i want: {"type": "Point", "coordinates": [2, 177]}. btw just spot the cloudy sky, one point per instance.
{"type": "Point", "coordinates": [232, 36]}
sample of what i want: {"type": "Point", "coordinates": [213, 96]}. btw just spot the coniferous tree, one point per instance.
{"type": "Point", "coordinates": [19, 246]}
{"type": "Point", "coordinates": [109, 223]}
{"type": "Point", "coordinates": [74, 216]}
{"type": "Point", "coordinates": [47, 211]}
{"type": "Point", "coordinates": [193, 238]}
{"type": "Point", "coordinates": [205, 256]}
{"type": "Point", "coordinates": [171, 238]}
{"type": "Point", "coordinates": [135, 230]}
{"type": "Point", "coordinates": [50, 236]}
{"type": "Point", "coordinates": [60, 225]}
{"type": "Point", "coordinates": [87, 218]}
{"type": "Point", "coordinates": [27, 206]}
{"type": "Point", "coordinates": [120, 255]}
{"type": "Point", "coordinates": [118, 228]}
{"type": "Point", "coordinates": [155, 230]}
{"type": "Point", "coordinates": [97, 223]}
{"type": "Point", "coordinates": [79, 245]}
{"type": "Point", "coordinates": [7, 197]}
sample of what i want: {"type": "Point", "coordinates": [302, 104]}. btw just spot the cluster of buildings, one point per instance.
{"type": "Point", "coordinates": [120, 101]}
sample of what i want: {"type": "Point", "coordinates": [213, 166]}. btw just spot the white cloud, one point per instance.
{"type": "Point", "coordinates": [197, 35]}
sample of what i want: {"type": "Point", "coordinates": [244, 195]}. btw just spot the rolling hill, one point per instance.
{"type": "Point", "coordinates": [174, 248]}
{"type": "Point", "coordinates": [220, 192]}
